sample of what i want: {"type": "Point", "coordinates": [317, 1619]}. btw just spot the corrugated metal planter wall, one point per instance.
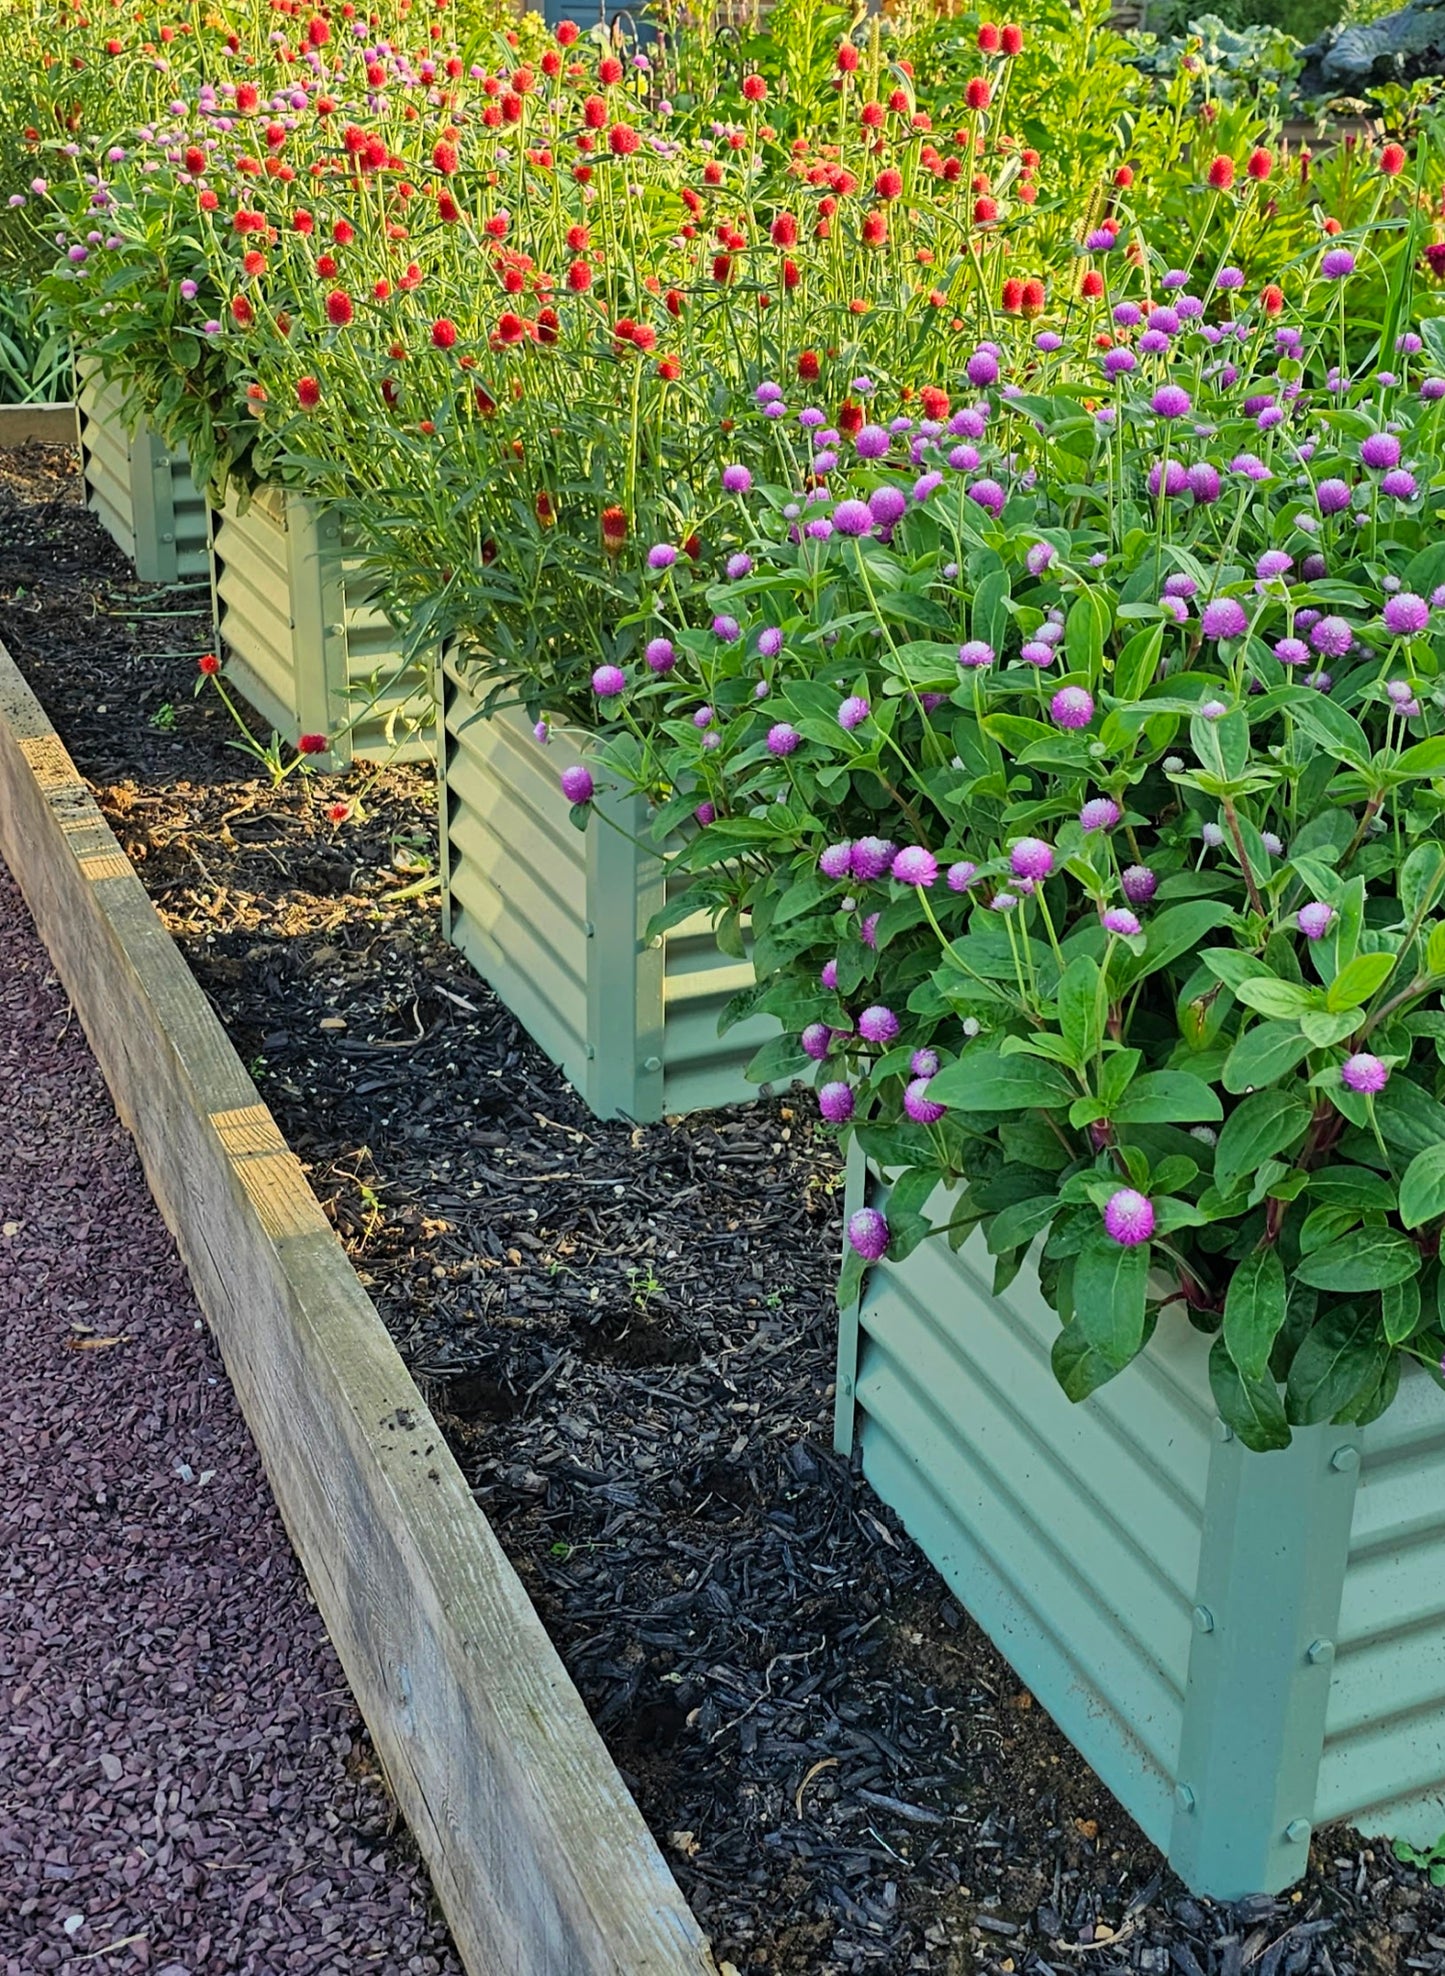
{"type": "Point", "coordinates": [555, 921]}
{"type": "Point", "coordinates": [1245, 1647]}
{"type": "Point", "coordinates": [303, 644]}
{"type": "Point", "coordinates": [140, 489]}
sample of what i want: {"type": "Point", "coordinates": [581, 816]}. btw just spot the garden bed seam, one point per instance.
{"type": "Point", "coordinates": [47, 425]}
{"type": "Point", "coordinates": [540, 1859]}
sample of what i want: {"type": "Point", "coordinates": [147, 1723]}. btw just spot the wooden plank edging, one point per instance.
{"type": "Point", "coordinates": [51, 425]}
{"type": "Point", "coordinates": [540, 1859]}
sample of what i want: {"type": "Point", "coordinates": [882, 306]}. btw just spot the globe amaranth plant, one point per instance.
{"type": "Point", "coordinates": [1075, 755]}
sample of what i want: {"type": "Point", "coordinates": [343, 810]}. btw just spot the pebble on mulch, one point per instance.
{"type": "Point", "coordinates": [185, 1783]}
{"type": "Point", "coordinates": [628, 1335]}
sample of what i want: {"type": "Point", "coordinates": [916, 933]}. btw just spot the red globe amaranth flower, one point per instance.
{"type": "Point", "coordinates": [195, 160]}
{"type": "Point", "coordinates": [1271, 299]}
{"type": "Point", "coordinates": [326, 266]}
{"type": "Point", "coordinates": [1124, 177]}
{"type": "Point", "coordinates": [850, 418]}
{"type": "Point", "coordinates": [889, 183]}
{"type": "Point", "coordinates": [934, 402]}
{"type": "Point", "coordinates": [1091, 285]}
{"type": "Point", "coordinates": [985, 211]}
{"type": "Point", "coordinates": [1034, 296]}
{"type": "Point", "coordinates": [247, 97]}
{"type": "Point", "coordinates": [112, 47]}
{"type": "Point", "coordinates": [1259, 164]}
{"type": "Point", "coordinates": [311, 744]}
{"type": "Point", "coordinates": [609, 70]}
{"type": "Point", "coordinates": [308, 393]}
{"type": "Point", "coordinates": [302, 221]}
{"type": "Point", "coordinates": [1011, 40]}
{"type": "Point", "coordinates": [722, 269]}
{"type": "Point", "coordinates": [548, 324]}
{"type": "Point", "coordinates": [1012, 297]}
{"type": "Point", "coordinates": [209, 663]}
{"type": "Point", "coordinates": [318, 31]}
{"type": "Point", "coordinates": [1392, 160]}
{"type": "Point", "coordinates": [808, 366]}
{"type": "Point", "coordinates": [670, 369]}
{"type": "Point", "coordinates": [207, 200]}
{"type": "Point", "coordinates": [979, 93]}
{"type": "Point", "coordinates": [339, 309]}
{"type": "Point", "coordinates": [444, 156]}
{"type": "Point", "coordinates": [784, 231]}
{"type": "Point", "coordinates": [443, 333]}
{"type": "Point", "coordinates": [579, 277]}
{"type": "Point", "coordinates": [847, 57]}
{"type": "Point", "coordinates": [567, 33]}
{"type": "Point", "coordinates": [755, 89]}
{"type": "Point", "coordinates": [614, 530]}
{"type": "Point", "coordinates": [875, 230]}
{"type": "Point", "coordinates": [1221, 173]}
{"type": "Point", "coordinates": [510, 327]}
{"type": "Point", "coordinates": [988, 39]}
{"type": "Point", "coordinates": [622, 140]}
{"type": "Point", "coordinates": [242, 311]}
{"type": "Point", "coordinates": [448, 209]}
{"type": "Point", "coordinates": [791, 273]}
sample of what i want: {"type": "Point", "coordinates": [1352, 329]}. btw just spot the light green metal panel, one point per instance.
{"type": "Point", "coordinates": [105, 461]}
{"type": "Point", "coordinates": [702, 1069]}
{"type": "Point", "coordinates": [140, 489]}
{"type": "Point", "coordinates": [398, 697]}
{"type": "Point", "coordinates": [251, 600]}
{"type": "Point", "coordinates": [1384, 1756]}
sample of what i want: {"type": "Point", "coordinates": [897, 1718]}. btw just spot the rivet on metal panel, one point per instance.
{"type": "Point", "coordinates": [589, 929]}
{"type": "Point", "coordinates": [168, 538]}
{"type": "Point", "coordinates": [1320, 1653]}
{"type": "Point", "coordinates": [652, 1063]}
{"type": "Point", "coordinates": [1344, 1459]}
{"type": "Point", "coordinates": [1223, 1431]}
{"type": "Point", "coordinates": [655, 941]}
{"type": "Point", "coordinates": [590, 1049]}
{"type": "Point", "coordinates": [1184, 1797]}
{"type": "Point", "coordinates": [1203, 1619]}
{"type": "Point", "coordinates": [1298, 1831]}
{"type": "Point", "coordinates": [335, 630]}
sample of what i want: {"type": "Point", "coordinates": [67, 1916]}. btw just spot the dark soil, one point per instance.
{"type": "Point", "coordinates": [628, 1336]}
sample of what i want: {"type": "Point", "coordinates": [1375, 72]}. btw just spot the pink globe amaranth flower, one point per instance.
{"type": "Point", "coordinates": [1338, 263]}
{"type": "Point", "coordinates": [1224, 618]}
{"type": "Point", "coordinates": [828, 975]}
{"type": "Point", "coordinates": [853, 518]}
{"type": "Point", "coordinates": [1171, 401]}
{"type": "Point", "coordinates": [738, 567]}
{"type": "Point", "coordinates": [1292, 652]}
{"type": "Point", "coordinates": [887, 505]}
{"type": "Point", "coordinates": [1406, 614]}
{"type": "Point", "coordinates": [1119, 919]}
{"type": "Point", "coordinates": [873, 442]}
{"type": "Point", "coordinates": [1365, 1073]}
{"type": "Point", "coordinates": [853, 712]}
{"type": "Point", "coordinates": [877, 1024]}
{"type": "Point", "coordinates": [1332, 496]}
{"type": "Point", "coordinates": [1031, 857]}
{"type": "Point", "coordinates": [1203, 483]}
{"type": "Point", "coordinates": [1315, 920]}
{"type": "Point", "coordinates": [1139, 883]}
{"type": "Point", "coordinates": [836, 860]}
{"type": "Point", "coordinates": [868, 931]}
{"type": "Point", "coordinates": [871, 857]}
{"type": "Point", "coordinates": [577, 783]}
{"type": "Point", "coordinates": [608, 682]}
{"type": "Point", "coordinates": [783, 738]}
{"type": "Point", "coordinates": [770, 642]}
{"type": "Point", "coordinates": [660, 655]}
{"type": "Point", "coordinates": [868, 1234]}
{"type": "Point", "coordinates": [661, 555]}
{"type": "Point", "coordinates": [975, 655]}
{"type": "Point", "coordinates": [1099, 813]}
{"type": "Point", "coordinates": [1071, 707]}
{"type": "Point", "coordinates": [924, 1063]}
{"type": "Point", "coordinates": [1039, 557]}
{"type": "Point", "coordinates": [726, 628]}
{"type": "Point", "coordinates": [988, 494]}
{"type": "Point", "coordinates": [961, 875]}
{"type": "Point", "coordinates": [816, 1041]}
{"type": "Point", "coordinates": [1036, 653]}
{"type": "Point", "coordinates": [1399, 485]}
{"type": "Point", "coordinates": [922, 1109]}
{"type": "Point", "coordinates": [736, 480]}
{"type": "Point", "coordinates": [1129, 1217]}
{"type": "Point", "coordinates": [1332, 636]}
{"type": "Point", "coordinates": [915, 866]}
{"type": "Point", "coordinates": [1273, 563]}
{"type": "Point", "coordinates": [1380, 450]}
{"type": "Point", "coordinates": [835, 1102]}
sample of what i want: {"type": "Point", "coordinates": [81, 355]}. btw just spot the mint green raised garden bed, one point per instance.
{"type": "Point", "coordinates": [139, 488]}
{"type": "Point", "coordinates": [555, 921]}
{"type": "Point", "coordinates": [1245, 1647]}
{"type": "Point", "coordinates": [303, 643]}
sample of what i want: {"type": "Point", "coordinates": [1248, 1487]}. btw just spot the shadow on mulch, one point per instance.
{"type": "Point", "coordinates": [628, 1334]}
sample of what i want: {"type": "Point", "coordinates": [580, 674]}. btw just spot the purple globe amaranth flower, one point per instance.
{"type": "Point", "coordinates": [1365, 1073]}
{"type": "Point", "coordinates": [1212, 709]}
{"type": "Point", "coordinates": [853, 712]}
{"type": "Point", "coordinates": [736, 480]}
{"type": "Point", "coordinates": [705, 814]}
{"type": "Point", "coordinates": [1039, 557]}
{"type": "Point", "coordinates": [1175, 608]}
{"type": "Point", "coordinates": [922, 1109]}
{"type": "Point", "coordinates": [660, 655]}
{"type": "Point", "coordinates": [871, 858]}
{"type": "Point", "coordinates": [770, 642]}
{"type": "Point", "coordinates": [988, 494]}
{"type": "Point", "coordinates": [1273, 563]}
{"type": "Point", "coordinates": [927, 484]}
{"type": "Point", "coordinates": [1337, 263]}
{"type": "Point", "coordinates": [1202, 480]}
{"type": "Point", "coordinates": [1117, 362]}
{"type": "Point", "coordinates": [1315, 920]}
{"type": "Point", "coordinates": [868, 931]}
{"type": "Point", "coordinates": [1129, 1217]}
{"type": "Point", "coordinates": [1314, 566]}
{"type": "Point", "coordinates": [702, 717]}
{"type": "Point", "coordinates": [982, 368]}
{"type": "Point", "coordinates": [975, 654]}
{"type": "Point", "coordinates": [1071, 707]}
{"type": "Point", "coordinates": [915, 866]}
{"type": "Point", "coordinates": [1180, 585]}
{"type": "Point", "coordinates": [1139, 883]}
{"type": "Point", "coordinates": [1224, 618]}
{"type": "Point", "coordinates": [1119, 919]}
{"type": "Point", "coordinates": [1212, 834]}
{"type": "Point", "coordinates": [542, 732]}
{"type": "Point", "coordinates": [1003, 902]}
{"type": "Point", "coordinates": [783, 738]}
{"type": "Point", "coordinates": [726, 628]}
{"type": "Point", "coordinates": [1332, 496]}
{"type": "Point", "coordinates": [1031, 857]}
{"type": "Point", "coordinates": [1332, 636]}
{"type": "Point", "coordinates": [1292, 652]}
{"type": "Point", "coordinates": [661, 555]}
{"type": "Point", "coordinates": [577, 783]}
{"type": "Point", "coordinates": [873, 442]}
{"type": "Point", "coordinates": [1406, 614]}
{"type": "Point", "coordinates": [878, 1024]}
{"type": "Point", "coordinates": [868, 1234]}
{"type": "Point", "coordinates": [828, 975]}
{"type": "Point", "coordinates": [1168, 477]}
{"type": "Point", "coordinates": [1036, 653]}
{"type": "Point", "coordinates": [924, 1063]}
{"type": "Point", "coordinates": [961, 875]}
{"type": "Point", "coordinates": [1171, 401]}
{"type": "Point", "coordinates": [887, 505]}
{"type": "Point", "coordinates": [853, 517]}
{"type": "Point", "coordinates": [608, 682]}
{"type": "Point", "coordinates": [1399, 485]}
{"type": "Point", "coordinates": [739, 566]}
{"type": "Point", "coordinates": [1099, 813]}
{"type": "Point", "coordinates": [836, 1102]}
{"type": "Point", "coordinates": [837, 860]}
{"type": "Point", "coordinates": [816, 1041]}
{"type": "Point", "coordinates": [1229, 278]}
{"type": "Point", "coordinates": [1380, 450]}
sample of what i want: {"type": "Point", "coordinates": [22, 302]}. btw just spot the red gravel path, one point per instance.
{"type": "Point", "coordinates": [185, 1783]}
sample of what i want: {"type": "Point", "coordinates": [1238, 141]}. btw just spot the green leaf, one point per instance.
{"type": "Point", "coordinates": [1177, 930]}
{"type": "Point", "coordinates": [1408, 1117]}
{"type": "Point", "coordinates": [1353, 1186]}
{"type": "Point", "coordinates": [1421, 876]}
{"type": "Point", "coordinates": [1109, 1285]}
{"type": "Point", "coordinates": [1081, 1009]}
{"type": "Point", "coordinates": [1400, 1308]}
{"type": "Point", "coordinates": [1231, 967]}
{"type": "Point", "coordinates": [1252, 1407]}
{"type": "Point", "coordinates": [1322, 1029]}
{"type": "Point", "coordinates": [1422, 1191]}
{"type": "Point", "coordinates": [1136, 665]}
{"type": "Point", "coordinates": [1337, 732]}
{"type": "Point", "coordinates": [1222, 746]}
{"type": "Point", "coordinates": [1263, 1054]}
{"type": "Point", "coordinates": [1367, 1259]}
{"type": "Point", "coordinates": [1337, 1359]}
{"type": "Point", "coordinates": [802, 896]}
{"type": "Point", "coordinates": [1282, 1001]}
{"type": "Point", "coordinates": [1426, 758]}
{"type": "Point", "coordinates": [778, 1061]}
{"type": "Point", "coordinates": [1078, 1366]}
{"type": "Point", "coordinates": [984, 1081]}
{"type": "Point", "coordinates": [1254, 1310]}
{"type": "Point", "coordinates": [1168, 1097]}
{"type": "Point", "coordinates": [1255, 1131]}
{"type": "Point", "coordinates": [1017, 1226]}
{"type": "Point", "coordinates": [1358, 980]}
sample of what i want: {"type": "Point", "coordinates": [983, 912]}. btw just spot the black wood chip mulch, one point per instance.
{"type": "Point", "coordinates": [628, 1335]}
